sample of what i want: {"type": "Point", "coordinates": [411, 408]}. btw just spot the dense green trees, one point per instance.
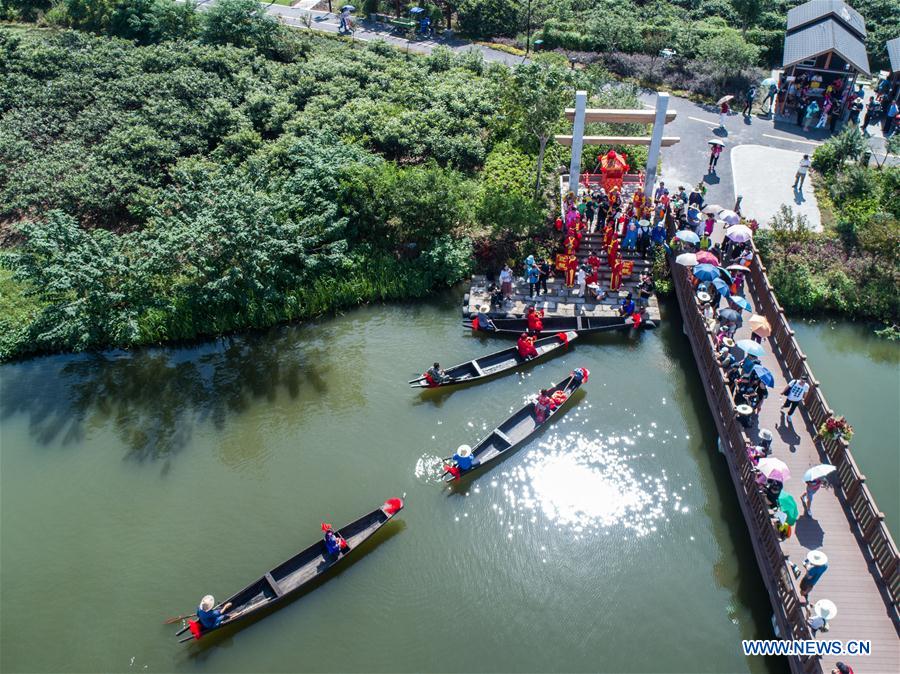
{"type": "Point", "coordinates": [181, 188]}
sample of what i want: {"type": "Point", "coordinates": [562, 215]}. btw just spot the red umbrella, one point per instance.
{"type": "Point", "coordinates": [704, 256]}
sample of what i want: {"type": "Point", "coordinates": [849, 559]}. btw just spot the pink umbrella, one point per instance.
{"type": "Point", "coordinates": [774, 469]}
{"type": "Point", "coordinates": [707, 257]}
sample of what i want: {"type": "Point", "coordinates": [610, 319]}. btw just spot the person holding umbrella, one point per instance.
{"type": "Point", "coordinates": [723, 109]}
{"type": "Point", "coordinates": [815, 480]}
{"type": "Point", "coordinates": [345, 18]}
{"type": "Point", "coordinates": [715, 149]}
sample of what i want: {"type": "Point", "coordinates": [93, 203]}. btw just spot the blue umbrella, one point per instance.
{"type": "Point", "coordinates": [705, 272]}
{"type": "Point", "coordinates": [750, 347]}
{"type": "Point", "coordinates": [741, 302]}
{"type": "Point", "coordinates": [687, 235]}
{"type": "Point", "coordinates": [729, 315]}
{"type": "Point", "coordinates": [725, 275]}
{"type": "Point", "coordinates": [765, 376]}
{"type": "Point", "coordinates": [693, 214]}
{"type": "Point", "coordinates": [721, 287]}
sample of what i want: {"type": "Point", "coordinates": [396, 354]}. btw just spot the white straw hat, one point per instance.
{"type": "Point", "coordinates": [464, 451]}
{"type": "Point", "coordinates": [825, 609]}
{"type": "Point", "coordinates": [817, 558]}
{"type": "Point", "coordinates": [207, 602]}
{"type": "Point", "coordinates": [765, 434]}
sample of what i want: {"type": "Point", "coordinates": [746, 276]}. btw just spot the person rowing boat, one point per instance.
{"type": "Point", "coordinates": [543, 406]}
{"type": "Point", "coordinates": [208, 615]}
{"type": "Point", "coordinates": [482, 321]}
{"type": "Point", "coordinates": [435, 376]}
{"type": "Point", "coordinates": [334, 543]}
{"type": "Point", "coordinates": [535, 320]}
{"type": "Point", "coordinates": [525, 344]}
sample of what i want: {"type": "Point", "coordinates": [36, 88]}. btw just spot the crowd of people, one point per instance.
{"type": "Point", "coordinates": [817, 105]}
{"type": "Point", "coordinates": [748, 382]}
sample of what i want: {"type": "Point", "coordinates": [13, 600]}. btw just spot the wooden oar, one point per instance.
{"type": "Point", "coordinates": [177, 618]}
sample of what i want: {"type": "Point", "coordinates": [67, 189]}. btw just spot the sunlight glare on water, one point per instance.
{"type": "Point", "coordinates": [588, 484]}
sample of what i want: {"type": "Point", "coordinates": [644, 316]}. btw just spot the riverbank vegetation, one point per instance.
{"type": "Point", "coordinates": [853, 267]}
{"type": "Point", "coordinates": [172, 185]}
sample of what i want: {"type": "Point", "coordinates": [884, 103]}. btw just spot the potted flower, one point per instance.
{"type": "Point", "coordinates": [836, 428]}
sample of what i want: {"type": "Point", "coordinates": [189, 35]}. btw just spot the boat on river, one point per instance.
{"type": "Point", "coordinates": [497, 362]}
{"type": "Point", "coordinates": [581, 324]}
{"type": "Point", "coordinates": [297, 572]}
{"type": "Point", "coordinates": [516, 429]}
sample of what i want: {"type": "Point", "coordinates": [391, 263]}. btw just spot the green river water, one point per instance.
{"type": "Point", "coordinates": [134, 483]}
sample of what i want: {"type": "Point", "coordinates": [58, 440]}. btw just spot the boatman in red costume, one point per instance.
{"type": "Point", "coordinates": [535, 320]}
{"type": "Point", "coordinates": [525, 346]}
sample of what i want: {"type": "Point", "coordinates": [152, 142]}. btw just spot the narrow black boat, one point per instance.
{"type": "Point", "coordinates": [300, 570]}
{"type": "Point", "coordinates": [495, 363]}
{"type": "Point", "coordinates": [515, 430]}
{"type": "Point", "coordinates": [581, 324]}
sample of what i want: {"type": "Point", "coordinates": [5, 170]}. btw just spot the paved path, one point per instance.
{"type": "Point", "coordinates": [765, 176]}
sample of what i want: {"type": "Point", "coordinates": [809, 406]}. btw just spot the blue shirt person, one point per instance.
{"type": "Point", "coordinates": [210, 616]}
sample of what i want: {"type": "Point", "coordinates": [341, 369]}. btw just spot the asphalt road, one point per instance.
{"type": "Point", "coordinates": [695, 124]}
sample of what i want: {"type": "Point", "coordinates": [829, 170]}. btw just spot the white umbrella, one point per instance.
{"type": "Point", "coordinates": [739, 233]}
{"type": "Point", "coordinates": [729, 217]}
{"type": "Point", "coordinates": [688, 236]}
{"type": "Point", "coordinates": [817, 472]}
{"type": "Point", "coordinates": [716, 141]}
{"type": "Point", "coordinates": [724, 99]}
{"type": "Point", "coordinates": [768, 82]}
{"type": "Point", "coordinates": [825, 609]}
{"type": "Point", "coordinates": [687, 259]}
{"type": "Point", "coordinates": [712, 209]}
{"type": "Point", "coordinates": [774, 469]}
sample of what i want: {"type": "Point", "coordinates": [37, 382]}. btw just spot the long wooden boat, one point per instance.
{"type": "Point", "coordinates": [497, 362]}
{"type": "Point", "coordinates": [581, 324]}
{"type": "Point", "coordinates": [516, 429]}
{"type": "Point", "coordinates": [298, 571]}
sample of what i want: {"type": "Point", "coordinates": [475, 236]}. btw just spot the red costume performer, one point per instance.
{"type": "Point", "coordinates": [613, 253]}
{"type": "Point", "coordinates": [615, 280]}
{"type": "Point", "coordinates": [593, 260]}
{"type": "Point", "coordinates": [608, 234]}
{"type": "Point", "coordinates": [571, 244]}
{"type": "Point", "coordinates": [525, 346]}
{"type": "Point", "coordinates": [571, 268]}
{"type": "Point", "coordinates": [535, 322]}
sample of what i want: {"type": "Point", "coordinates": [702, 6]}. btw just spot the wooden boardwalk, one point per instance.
{"type": "Point", "coordinates": [863, 576]}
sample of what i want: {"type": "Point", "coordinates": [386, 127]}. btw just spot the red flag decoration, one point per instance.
{"type": "Point", "coordinates": [326, 526]}
{"type": "Point", "coordinates": [196, 629]}
{"type": "Point", "coordinates": [563, 337]}
{"type": "Point", "coordinates": [343, 542]}
{"type": "Point", "coordinates": [392, 505]}
{"type": "Point", "coordinates": [585, 373]}
{"type": "Point", "coordinates": [453, 470]}
{"type": "Point", "coordinates": [475, 323]}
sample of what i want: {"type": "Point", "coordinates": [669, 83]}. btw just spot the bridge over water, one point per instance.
{"type": "Point", "coordinates": [863, 576]}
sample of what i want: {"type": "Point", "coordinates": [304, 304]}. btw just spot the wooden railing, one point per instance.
{"type": "Point", "coordinates": [780, 583]}
{"type": "Point", "coordinates": [870, 520]}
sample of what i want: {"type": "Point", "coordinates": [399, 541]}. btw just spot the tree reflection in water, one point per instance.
{"type": "Point", "coordinates": [156, 397]}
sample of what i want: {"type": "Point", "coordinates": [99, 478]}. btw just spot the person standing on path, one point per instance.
{"type": "Point", "coordinates": [748, 106]}
{"type": "Point", "coordinates": [723, 113]}
{"type": "Point", "coordinates": [801, 172]}
{"type": "Point", "coordinates": [545, 270]}
{"type": "Point", "coordinates": [870, 112]}
{"type": "Point", "coordinates": [811, 488]}
{"type": "Point", "coordinates": [794, 393]}
{"type": "Point", "coordinates": [770, 98]}
{"type": "Point", "coordinates": [534, 275]}
{"type": "Point", "coordinates": [714, 152]}
{"type": "Point", "coordinates": [506, 282]}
